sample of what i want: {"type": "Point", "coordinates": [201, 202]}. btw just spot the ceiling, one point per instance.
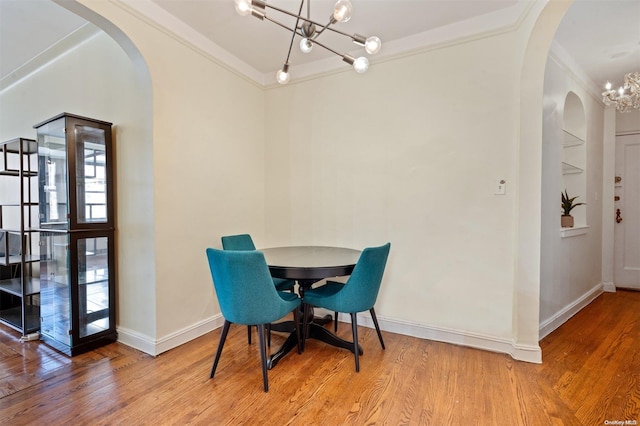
{"type": "Point", "coordinates": [601, 36]}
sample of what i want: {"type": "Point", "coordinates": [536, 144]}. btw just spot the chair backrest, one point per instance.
{"type": "Point", "coordinates": [244, 287]}
{"type": "Point", "coordinates": [238, 242]}
{"type": "Point", "coordinates": [361, 289]}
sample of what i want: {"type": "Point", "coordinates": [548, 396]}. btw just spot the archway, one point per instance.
{"type": "Point", "coordinates": [528, 245]}
{"type": "Point", "coordinates": [133, 140]}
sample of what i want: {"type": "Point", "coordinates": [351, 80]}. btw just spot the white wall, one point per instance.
{"type": "Point", "coordinates": [571, 267]}
{"type": "Point", "coordinates": [98, 80]}
{"type": "Point", "coordinates": [410, 153]}
{"type": "Point", "coordinates": [208, 163]}
{"type": "Point", "coordinates": [628, 122]}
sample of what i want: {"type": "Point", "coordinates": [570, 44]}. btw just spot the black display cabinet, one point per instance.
{"type": "Point", "coordinates": [77, 225]}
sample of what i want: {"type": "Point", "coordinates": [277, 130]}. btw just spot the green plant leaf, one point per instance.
{"type": "Point", "coordinates": [568, 203]}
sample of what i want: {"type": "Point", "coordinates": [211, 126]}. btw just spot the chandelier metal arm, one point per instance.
{"type": "Point", "coordinates": [327, 48]}
{"type": "Point", "coordinates": [301, 35]}
{"type": "Point", "coordinates": [293, 35]}
{"type": "Point", "coordinates": [261, 4]}
{"type": "Point", "coordinates": [324, 27]}
{"type": "Point", "coordinates": [309, 30]}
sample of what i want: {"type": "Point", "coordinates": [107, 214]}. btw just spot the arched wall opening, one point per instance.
{"type": "Point", "coordinates": [529, 206]}
{"type": "Point", "coordinates": [130, 108]}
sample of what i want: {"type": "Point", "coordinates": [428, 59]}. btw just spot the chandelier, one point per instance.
{"type": "Point", "coordinates": [309, 30]}
{"type": "Point", "coordinates": [627, 97]}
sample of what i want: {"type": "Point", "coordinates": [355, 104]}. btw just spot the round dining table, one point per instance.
{"type": "Point", "coordinates": [308, 265]}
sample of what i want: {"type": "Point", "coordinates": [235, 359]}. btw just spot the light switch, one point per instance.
{"type": "Point", "coordinates": [501, 187]}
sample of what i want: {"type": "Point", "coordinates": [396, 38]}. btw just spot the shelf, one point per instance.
{"type": "Point", "coordinates": [29, 146]}
{"type": "Point", "coordinates": [569, 139]}
{"type": "Point", "coordinates": [19, 290]}
{"type": "Point", "coordinates": [14, 286]}
{"type": "Point", "coordinates": [13, 318]}
{"type": "Point", "coordinates": [568, 169]}
{"type": "Point", "coordinates": [17, 259]}
{"type": "Point", "coordinates": [16, 173]}
{"type": "Point", "coordinates": [18, 231]}
{"type": "Point", "coordinates": [573, 232]}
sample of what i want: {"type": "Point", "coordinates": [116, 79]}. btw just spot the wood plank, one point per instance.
{"type": "Point", "coordinates": [590, 373]}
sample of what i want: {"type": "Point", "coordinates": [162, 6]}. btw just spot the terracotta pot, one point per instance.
{"type": "Point", "coordinates": [566, 221]}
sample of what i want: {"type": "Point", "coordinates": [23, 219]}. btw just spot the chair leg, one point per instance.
{"type": "Point", "coordinates": [375, 322]}
{"type": "Point", "coordinates": [269, 335]}
{"type": "Point", "coordinates": [223, 337]}
{"type": "Point", "coordinates": [354, 329]}
{"type": "Point", "coordinates": [304, 324]}
{"type": "Point", "coordinates": [249, 334]}
{"type": "Point", "coordinates": [263, 357]}
{"type": "Point", "coordinates": [296, 320]}
{"type": "Point", "coordinates": [335, 322]}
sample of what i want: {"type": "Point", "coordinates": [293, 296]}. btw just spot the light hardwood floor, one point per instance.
{"type": "Point", "coordinates": [590, 376]}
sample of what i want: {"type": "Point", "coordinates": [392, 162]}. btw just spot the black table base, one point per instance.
{"type": "Point", "coordinates": [315, 331]}
{"type": "Point", "coordinates": [308, 265]}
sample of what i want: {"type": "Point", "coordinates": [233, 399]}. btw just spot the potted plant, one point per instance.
{"type": "Point", "coordinates": [568, 203]}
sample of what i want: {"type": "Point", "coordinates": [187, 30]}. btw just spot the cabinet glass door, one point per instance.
{"type": "Point", "coordinates": [93, 285]}
{"type": "Point", "coordinates": [91, 181]}
{"type": "Point", "coordinates": [55, 287]}
{"type": "Point", "coordinates": [52, 164]}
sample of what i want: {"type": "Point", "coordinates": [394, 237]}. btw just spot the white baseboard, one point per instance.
{"type": "Point", "coordinates": [463, 338]}
{"type": "Point", "coordinates": [473, 340]}
{"type": "Point", "coordinates": [156, 347]}
{"type": "Point", "coordinates": [609, 287]}
{"type": "Point", "coordinates": [559, 318]}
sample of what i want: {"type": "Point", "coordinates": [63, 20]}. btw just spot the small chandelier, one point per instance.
{"type": "Point", "coordinates": [627, 97]}
{"type": "Point", "coordinates": [309, 31]}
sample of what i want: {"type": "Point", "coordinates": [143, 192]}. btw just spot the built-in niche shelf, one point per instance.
{"type": "Point", "coordinates": [573, 232]}
{"type": "Point", "coordinates": [568, 169]}
{"type": "Point", "coordinates": [569, 139]}
{"type": "Point", "coordinates": [571, 143]}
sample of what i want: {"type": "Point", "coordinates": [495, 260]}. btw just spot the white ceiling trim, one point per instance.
{"type": "Point", "coordinates": [156, 16]}
{"type": "Point", "coordinates": [478, 27]}
{"type": "Point", "coordinates": [74, 39]}
{"type": "Point", "coordinates": [482, 26]}
{"type": "Point", "coordinates": [566, 61]}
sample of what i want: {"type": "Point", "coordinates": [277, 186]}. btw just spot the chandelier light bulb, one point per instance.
{"type": "Point", "coordinates": [243, 7]}
{"type": "Point", "coordinates": [305, 29]}
{"type": "Point", "coordinates": [372, 45]}
{"type": "Point", "coordinates": [342, 10]}
{"type": "Point", "coordinates": [361, 65]}
{"type": "Point", "coordinates": [306, 45]}
{"type": "Point", "coordinates": [627, 97]}
{"type": "Point", "coordinates": [282, 76]}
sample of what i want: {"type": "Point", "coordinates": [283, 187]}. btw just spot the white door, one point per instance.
{"type": "Point", "coordinates": [627, 212]}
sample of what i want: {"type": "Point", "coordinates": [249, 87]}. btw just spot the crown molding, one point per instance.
{"type": "Point", "coordinates": [479, 27]}
{"type": "Point", "coordinates": [149, 12]}
{"type": "Point", "coordinates": [491, 24]}
{"type": "Point", "coordinates": [566, 61]}
{"type": "Point", "coordinates": [68, 43]}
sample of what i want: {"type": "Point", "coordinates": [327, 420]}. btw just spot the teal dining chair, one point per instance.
{"type": "Point", "coordinates": [358, 294]}
{"type": "Point", "coordinates": [247, 296]}
{"type": "Point", "coordinates": [245, 242]}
